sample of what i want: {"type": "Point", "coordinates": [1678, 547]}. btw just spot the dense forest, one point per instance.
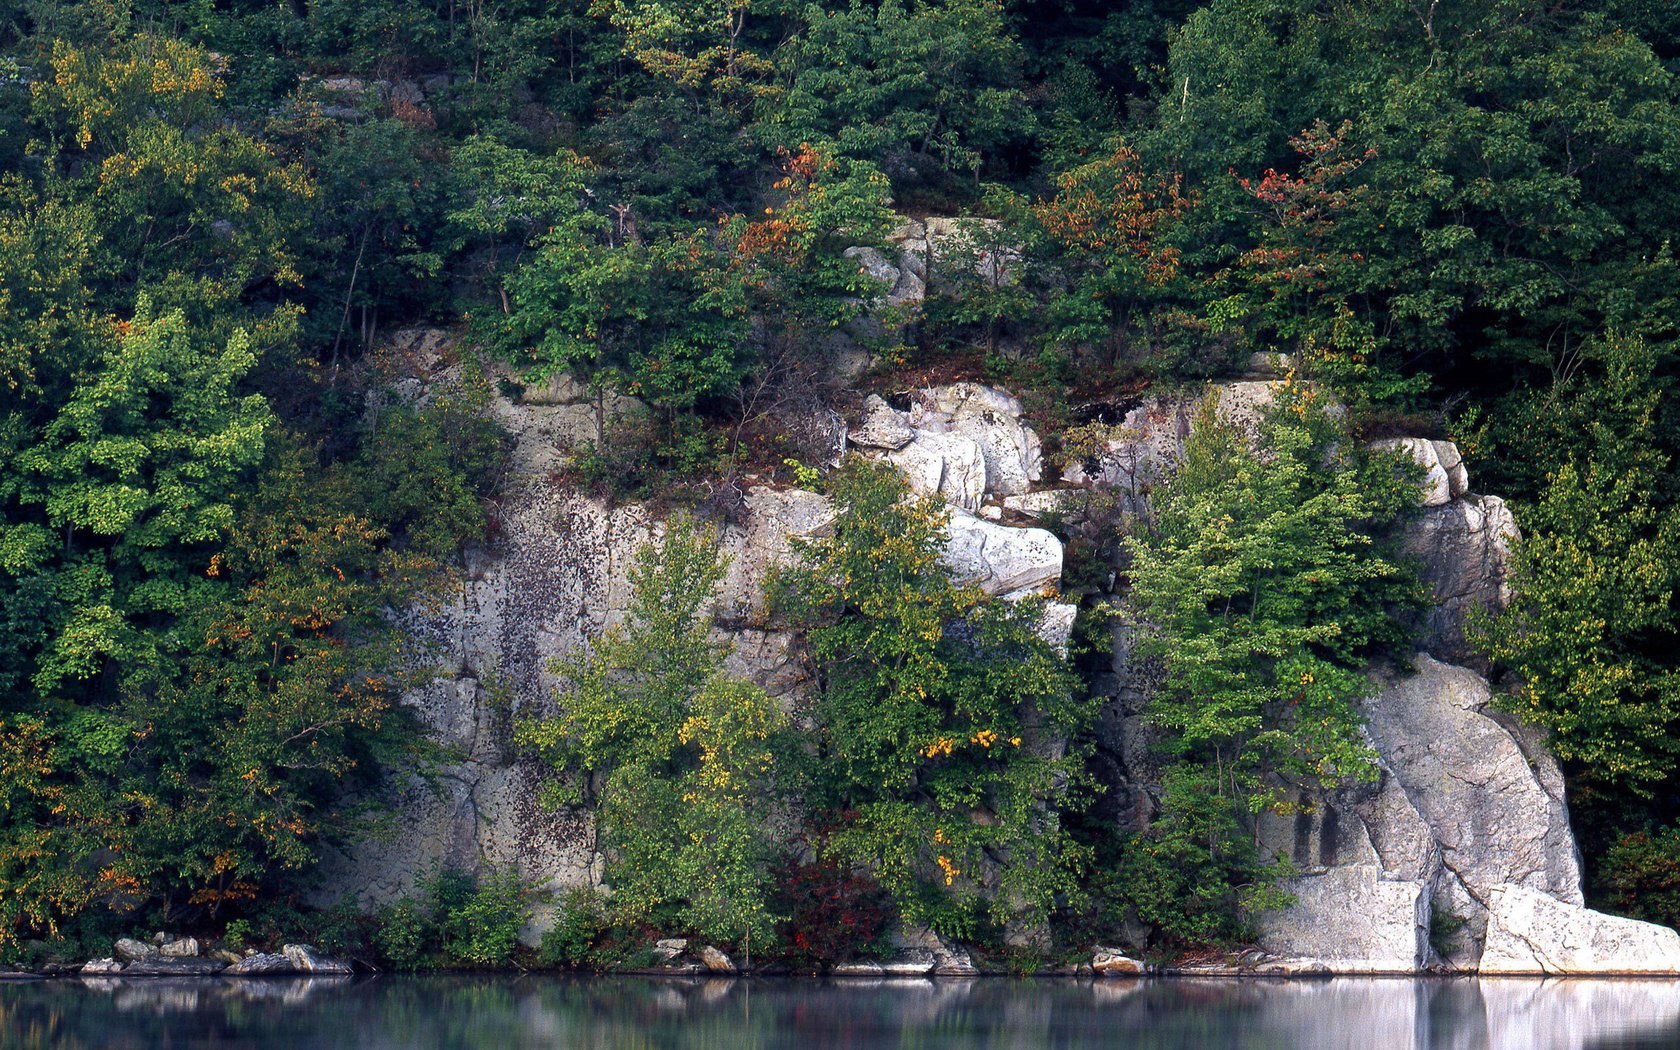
{"type": "Point", "coordinates": [1455, 216]}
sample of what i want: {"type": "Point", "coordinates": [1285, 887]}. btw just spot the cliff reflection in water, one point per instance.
{"type": "Point", "coordinates": [459, 1013]}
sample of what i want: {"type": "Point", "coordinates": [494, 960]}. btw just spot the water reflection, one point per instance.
{"type": "Point", "coordinates": [448, 1013]}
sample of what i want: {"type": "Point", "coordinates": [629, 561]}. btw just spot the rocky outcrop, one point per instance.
{"type": "Point", "coordinates": [1466, 817]}
{"type": "Point", "coordinates": [1463, 549]}
{"type": "Point", "coordinates": [1001, 559]}
{"type": "Point", "coordinates": [964, 443]}
{"type": "Point", "coordinates": [1467, 801]}
{"type": "Point", "coordinates": [1353, 918]}
{"type": "Point", "coordinates": [903, 280]}
{"type": "Point", "coordinates": [938, 248]}
{"type": "Point", "coordinates": [1111, 962]}
{"type": "Point", "coordinates": [1444, 476]}
{"type": "Point", "coordinates": [262, 964]}
{"type": "Point", "coordinates": [949, 959]}
{"type": "Point", "coordinates": [1146, 438]}
{"type": "Point", "coordinates": [561, 575]}
{"type": "Point", "coordinates": [1530, 932]}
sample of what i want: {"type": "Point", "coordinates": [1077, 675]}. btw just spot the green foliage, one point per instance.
{"type": "Point", "coordinates": [212, 213]}
{"type": "Point", "coordinates": [1640, 876]}
{"type": "Point", "coordinates": [661, 320]}
{"type": "Point", "coordinates": [931, 766]}
{"type": "Point", "coordinates": [479, 920]}
{"type": "Point", "coordinates": [1262, 589]}
{"type": "Point", "coordinates": [917, 87]}
{"type": "Point", "coordinates": [1508, 169]}
{"type": "Point", "coordinates": [192, 209]}
{"type": "Point", "coordinates": [573, 939]}
{"type": "Point", "coordinates": [679, 758]}
{"type": "Point", "coordinates": [1591, 630]}
{"type": "Point", "coordinates": [455, 919]}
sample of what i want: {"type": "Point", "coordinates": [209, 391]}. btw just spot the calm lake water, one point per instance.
{"type": "Point", "coordinates": [432, 1013]}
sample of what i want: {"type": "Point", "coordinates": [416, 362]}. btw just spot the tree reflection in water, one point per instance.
{"type": "Point", "coordinates": [511, 1013]}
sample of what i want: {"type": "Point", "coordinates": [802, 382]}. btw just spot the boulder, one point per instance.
{"type": "Point", "coordinates": [262, 964]}
{"type": "Point", "coordinates": [130, 950]}
{"type": "Point", "coordinates": [950, 466]}
{"type": "Point", "coordinates": [1445, 478]}
{"type": "Point", "coordinates": [1485, 787]}
{"type": "Point", "coordinates": [949, 959]}
{"type": "Point", "coordinates": [1056, 627]}
{"type": "Point", "coordinates": [101, 968]}
{"type": "Point", "coordinates": [1352, 919]}
{"type": "Point", "coordinates": [305, 958]}
{"type": "Point", "coordinates": [1464, 551]}
{"type": "Point", "coordinates": [900, 284]}
{"type": "Point", "coordinates": [1001, 559]}
{"type": "Point", "coordinates": [669, 949]}
{"type": "Point", "coordinates": [1112, 962]}
{"type": "Point", "coordinates": [714, 960]}
{"type": "Point", "coordinates": [181, 948]}
{"type": "Point", "coordinates": [882, 426]}
{"type": "Point", "coordinates": [1530, 932]}
{"type": "Point", "coordinates": [910, 962]}
{"type": "Point", "coordinates": [1011, 450]}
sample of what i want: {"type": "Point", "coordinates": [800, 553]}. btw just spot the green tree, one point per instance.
{"type": "Point", "coordinates": [934, 763]}
{"type": "Point", "coordinates": [920, 88]}
{"type": "Point", "coordinates": [1512, 165]}
{"type": "Point", "coordinates": [137, 466]}
{"type": "Point", "coordinates": [681, 760]}
{"type": "Point", "coordinates": [1591, 630]}
{"type": "Point", "coordinates": [1262, 589]}
{"type": "Point", "coordinates": [189, 206]}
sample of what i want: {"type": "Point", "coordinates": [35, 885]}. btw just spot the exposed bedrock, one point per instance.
{"type": "Point", "coordinates": [560, 575]}
{"type": "Point", "coordinates": [1466, 823]}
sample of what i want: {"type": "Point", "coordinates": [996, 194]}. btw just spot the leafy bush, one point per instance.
{"type": "Point", "coordinates": [832, 914]}
{"type": "Point", "coordinates": [577, 931]}
{"type": "Point", "coordinates": [1640, 876]}
{"type": "Point", "coordinates": [479, 920]}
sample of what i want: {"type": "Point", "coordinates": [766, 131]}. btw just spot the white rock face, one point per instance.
{"type": "Point", "coordinates": [1445, 478]}
{"type": "Point", "coordinates": [561, 576]}
{"type": "Point", "coordinates": [1468, 801]}
{"type": "Point", "coordinates": [882, 426]}
{"type": "Point", "coordinates": [902, 284]}
{"type": "Point", "coordinates": [1464, 547]}
{"type": "Point", "coordinates": [946, 433]}
{"type": "Point", "coordinates": [1001, 559]}
{"type": "Point", "coordinates": [1354, 919]}
{"type": "Point", "coordinates": [1490, 794]}
{"type": "Point", "coordinates": [1534, 933]}
{"type": "Point", "coordinates": [1148, 442]}
{"type": "Point", "coordinates": [950, 466]}
{"type": "Point", "coordinates": [1012, 451]}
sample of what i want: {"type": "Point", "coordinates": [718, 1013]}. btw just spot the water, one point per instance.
{"type": "Point", "coordinates": [459, 1013]}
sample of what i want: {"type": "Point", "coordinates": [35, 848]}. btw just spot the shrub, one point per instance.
{"type": "Point", "coordinates": [832, 914]}
{"type": "Point", "coordinates": [577, 931]}
{"type": "Point", "coordinates": [1640, 876]}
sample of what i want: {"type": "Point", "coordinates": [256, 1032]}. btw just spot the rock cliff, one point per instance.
{"type": "Point", "coordinates": [1466, 827]}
